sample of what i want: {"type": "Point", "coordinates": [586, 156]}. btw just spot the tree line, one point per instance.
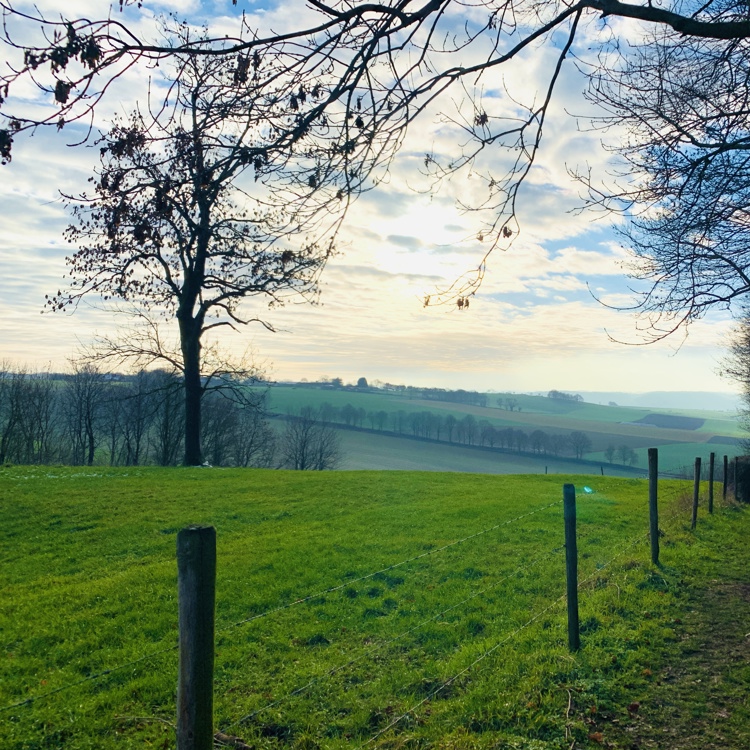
{"type": "Point", "coordinates": [468, 430]}
{"type": "Point", "coordinates": [89, 417]}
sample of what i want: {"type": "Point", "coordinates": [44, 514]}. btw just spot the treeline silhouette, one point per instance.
{"type": "Point", "coordinates": [91, 417]}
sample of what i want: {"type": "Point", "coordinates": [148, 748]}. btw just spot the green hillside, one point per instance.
{"type": "Point", "coordinates": [604, 426]}
{"type": "Point", "coordinates": [353, 608]}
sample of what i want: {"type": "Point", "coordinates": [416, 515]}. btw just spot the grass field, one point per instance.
{"type": "Point", "coordinates": [459, 641]}
{"type": "Point", "coordinates": [367, 450]}
{"type": "Point", "coordinates": [605, 425]}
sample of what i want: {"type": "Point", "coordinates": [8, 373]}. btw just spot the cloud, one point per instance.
{"type": "Point", "coordinates": [410, 243]}
{"type": "Point", "coordinates": [532, 326]}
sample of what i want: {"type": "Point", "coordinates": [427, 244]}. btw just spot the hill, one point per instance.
{"type": "Point", "coordinates": [357, 609]}
{"type": "Point", "coordinates": [396, 421]}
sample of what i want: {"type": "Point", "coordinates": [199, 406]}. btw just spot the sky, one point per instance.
{"type": "Point", "coordinates": [536, 323]}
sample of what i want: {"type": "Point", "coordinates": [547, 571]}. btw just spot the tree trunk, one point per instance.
{"type": "Point", "coordinates": [191, 354]}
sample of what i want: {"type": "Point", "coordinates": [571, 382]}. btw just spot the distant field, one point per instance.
{"type": "Point", "coordinates": [365, 450]}
{"type": "Point", "coordinates": [459, 641]}
{"type": "Point", "coordinates": [686, 436]}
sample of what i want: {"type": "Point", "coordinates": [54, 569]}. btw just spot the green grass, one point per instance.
{"type": "Point", "coordinates": [89, 583]}
{"type": "Point", "coordinates": [367, 450]}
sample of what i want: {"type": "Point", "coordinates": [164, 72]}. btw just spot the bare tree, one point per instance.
{"type": "Point", "coordinates": [11, 407]}
{"type": "Point", "coordinates": [168, 426]}
{"type": "Point", "coordinates": [137, 415]}
{"type": "Point", "coordinates": [450, 426]}
{"type": "Point", "coordinates": [169, 231]}
{"type": "Point", "coordinates": [580, 442]}
{"type": "Point", "coordinates": [350, 81]}
{"type": "Point", "coordinates": [627, 455]}
{"type": "Point", "coordinates": [539, 441]}
{"type": "Point", "coordinates": [84, 398]}
{"type": "Point", "coordinates": [736, 367]}
{"type": "Point", "coordinates": [219, 427]}
{"type": "Point", "coordinates": [684, 176]}
{"type": "Point", "coordinates": [255, 441]}
{"type": "Point", "coordinates": [308, 443]}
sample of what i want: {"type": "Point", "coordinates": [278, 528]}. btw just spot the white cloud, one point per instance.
{"type": "Point", "coordinates": [532, 326]}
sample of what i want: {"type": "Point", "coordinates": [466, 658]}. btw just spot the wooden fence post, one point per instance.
{"type": "Point", "coordinates": [571, 565]}
{"type": "Point", "coordinates": [196, 591]}
{"type": "Point", "coordinates": [736, 474]}
{"type": "Point", "coordinates": [653, 511]}
{"type": "Point", "coordinates": [711, 465]}
{"type": "Point", "coordinates": [726, 478]}
{"type": "Point", "coordinates": [696, 490]}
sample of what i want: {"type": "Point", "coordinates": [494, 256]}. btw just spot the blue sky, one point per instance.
{"type": "Point", "coordinates": [533, 326]}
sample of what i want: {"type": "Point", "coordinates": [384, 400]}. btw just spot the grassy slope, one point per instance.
{"type": "Point", "coordinates": [605, 425]}
{"type": "Point", "coordinates": [365, 450]}
{"type": "Point", "coordinates": [88, 582]}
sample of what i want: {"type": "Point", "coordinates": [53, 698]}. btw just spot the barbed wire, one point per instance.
{"type": "Point", "coordinates": [344, 585]}
{"type": "Point", "coordinates": [398, 637]}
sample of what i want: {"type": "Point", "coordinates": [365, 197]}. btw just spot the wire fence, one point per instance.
{"type": "Point", "coordinates": [384, 644]}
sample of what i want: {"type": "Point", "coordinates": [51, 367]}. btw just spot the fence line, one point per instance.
{"type": "Point", "coordinates": [154, 654]}
{"type": "Point", "coordinates": [331, 590]}
{"type": "Point", "coordinates": [451, 680]}
{"type": "Point", "coordinates": [367, 652]}
{"type": "Point", "coordinates": [505, 640]}
{"type": "Point", "coordinates": [98, 675]}
{"type": "Point", "coordinates": [387, 643]}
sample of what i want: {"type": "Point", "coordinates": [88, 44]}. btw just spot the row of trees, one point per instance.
{"type": "Point", "coordinates": [623, 453]}
{"type": "Point", "coordinates": [563, 396]}
{"type": "Point", "coordinates": [90, 417]}
{"type": "Point", "coordinates": [467, 430]}
{"type": "Point", "coordinates": [460, 396]}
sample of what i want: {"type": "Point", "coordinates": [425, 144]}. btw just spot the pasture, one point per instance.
{"type": "Point", "coordinates": [604, 425]}
{"type": "Point", "coordinates": [354, 609]}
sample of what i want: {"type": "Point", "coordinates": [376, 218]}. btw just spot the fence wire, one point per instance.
{"type": "Point", "coordinates": [97, 676]}
{"type": "Point", "coordinates": [104, 673]}
{"type": "Point", "coordinates": [307, 598]}
{"type": "Point", "coordinates": [447, 683]}
{"type": "Point", "coordinates": [341, 586]}
{"type": "Point", "coordinates": [385, 644]}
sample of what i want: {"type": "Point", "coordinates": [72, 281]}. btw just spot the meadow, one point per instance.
{"type": "Point", "coordinates": [354, 609]}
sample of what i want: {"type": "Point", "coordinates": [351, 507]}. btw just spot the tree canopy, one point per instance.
{"type": "Point", "coordinates": [177, 226]}
{"type": "Point", "coordinates": [347, 82]}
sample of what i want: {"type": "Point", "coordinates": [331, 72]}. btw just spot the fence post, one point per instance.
{"type": "Point", "coordinates": [711, 465]}
{"type": "Point", "coordinates": [571, 565]}
{"type": "Point", "coordinates": [196, 591]}
{"type": "Point", "coordinates": [736, 474]}
{"type": "Point", "coordinates": [726, 478]}
{"type": "Point", "coordinates": [696, 490]}
{"type": "Point", "coordinates": [653, 511]}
